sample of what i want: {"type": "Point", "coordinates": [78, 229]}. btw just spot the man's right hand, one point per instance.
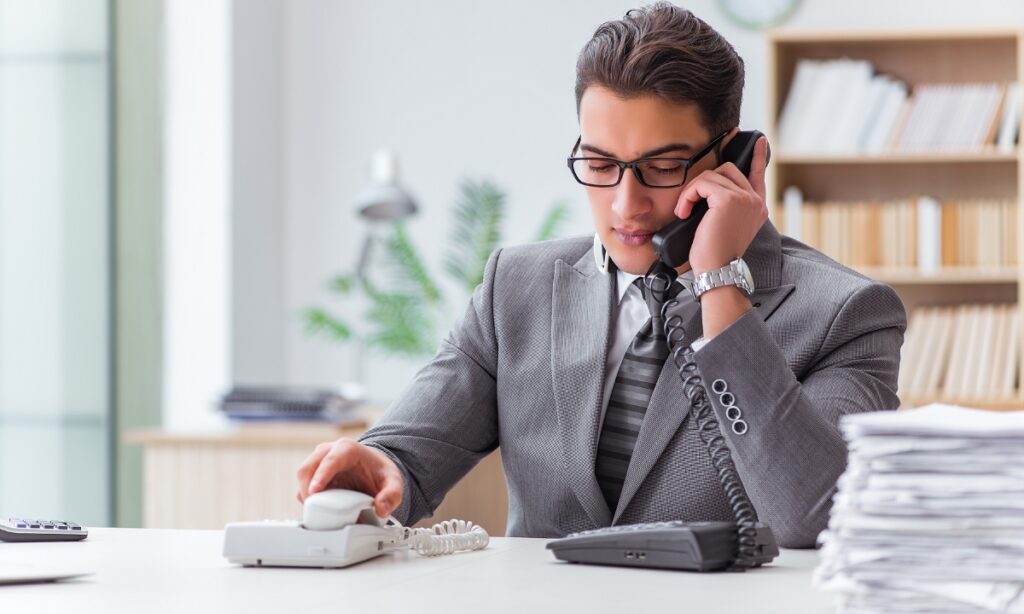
{"type": "Point", "coordinates": [350, 465]}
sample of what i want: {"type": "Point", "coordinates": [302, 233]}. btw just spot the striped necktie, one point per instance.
{"type": "Point", "coordinates": [631, 395]}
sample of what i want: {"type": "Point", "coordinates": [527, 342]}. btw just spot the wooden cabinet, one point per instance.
{"type": "Point", "coordinates": [203, 481]}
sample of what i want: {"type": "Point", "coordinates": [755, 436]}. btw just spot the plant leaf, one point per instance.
{"type": "Point", "coordinates": [476, 231]}
{"type": "Point", "coordinates": [552, 225]}
{"type": "Point", "coordinates": [402, 325]}
{"type": "Point", "coordinates": [402, 265]}
{"type": "Point", "coordinates": [342, 283]}
{"type": "Point", "coordinates": [318, 321]}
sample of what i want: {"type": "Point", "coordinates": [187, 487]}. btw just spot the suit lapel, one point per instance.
{"type": "Point", "coordinates": [669, 407]}
{"type": "Point", "coordinates": [581, 312]}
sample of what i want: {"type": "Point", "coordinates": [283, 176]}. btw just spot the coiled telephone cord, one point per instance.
{"type": "Point", "coordinates": [446, 537]}
{"type": "Point", "coordinates": [659, 279]}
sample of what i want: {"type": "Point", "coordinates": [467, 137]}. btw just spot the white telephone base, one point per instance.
{"type": "Point", "coordinates": [285, 543]}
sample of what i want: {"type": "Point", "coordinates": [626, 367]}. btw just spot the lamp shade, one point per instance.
{"type": "Point", "coordinates": [385, 199]}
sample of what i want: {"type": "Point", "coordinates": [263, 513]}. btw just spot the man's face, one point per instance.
{"type": "Point", "coordinates": [626, 215]}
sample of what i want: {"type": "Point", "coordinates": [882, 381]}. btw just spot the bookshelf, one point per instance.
{"type": "Point", "coordinates": [914, 57]}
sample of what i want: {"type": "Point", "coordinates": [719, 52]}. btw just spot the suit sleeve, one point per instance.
{"type": "Point", "coordinates": [445, 421]}
{"type": "Point", "coordinates": [793, 453]}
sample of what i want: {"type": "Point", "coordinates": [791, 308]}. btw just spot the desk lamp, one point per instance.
{"type": "Point", "coordinates": [385, 200]}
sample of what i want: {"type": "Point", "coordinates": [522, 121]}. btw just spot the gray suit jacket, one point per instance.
{"type": "Point", "coordinates": [524, 370]}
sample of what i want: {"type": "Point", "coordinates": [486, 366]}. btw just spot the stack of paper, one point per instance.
{"type": "Point", "coordinates": [929, 515]}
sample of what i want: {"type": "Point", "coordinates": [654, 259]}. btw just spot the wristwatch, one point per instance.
{"type": "Point", "coordinates": [736, 273]}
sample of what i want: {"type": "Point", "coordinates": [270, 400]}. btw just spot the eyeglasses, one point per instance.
{"type": "Point", "coordinates": [651, 172]}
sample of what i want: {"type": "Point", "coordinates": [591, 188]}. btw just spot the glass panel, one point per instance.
{"type": "Point", "coordinates": [54, 260]}
{"type": "Point", "coordinates": [53, 27]}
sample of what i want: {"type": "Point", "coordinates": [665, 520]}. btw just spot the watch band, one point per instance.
{"type": "Point", "coordinates": [736, 273]}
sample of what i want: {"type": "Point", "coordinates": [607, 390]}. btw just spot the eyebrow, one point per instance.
{"type": "Point", "coordinates": [647, 154]}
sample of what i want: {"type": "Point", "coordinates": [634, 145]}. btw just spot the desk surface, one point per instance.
{"type": "Point", "coordinates": [147, 570]}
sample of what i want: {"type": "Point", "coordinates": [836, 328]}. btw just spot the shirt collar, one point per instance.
{"type": "Point", "coordinates": [624, 281]}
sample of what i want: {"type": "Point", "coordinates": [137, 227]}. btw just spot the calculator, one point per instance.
{"type": "Point", "coordinates": [26, 530]}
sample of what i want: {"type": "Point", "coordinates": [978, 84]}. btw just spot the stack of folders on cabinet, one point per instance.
{"type": "Point", "coordinates": [921, 232]}
{"type": "Point", "coordinates": [843, 106]}
{"type": "Point", "coordinates": [292, 403]}
{"type": "Point", "coordinates": [929, 515]}
{"type": "Point", "coordinates": [968, 352]}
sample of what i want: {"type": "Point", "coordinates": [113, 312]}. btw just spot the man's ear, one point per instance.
{"type": "Point", "coordinates": [725, 141]}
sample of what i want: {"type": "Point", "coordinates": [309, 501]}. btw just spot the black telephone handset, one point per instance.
{"type": "Point", "coordinates": [740, 544]}
{"type": "Point", "coordinates": [672, 243]}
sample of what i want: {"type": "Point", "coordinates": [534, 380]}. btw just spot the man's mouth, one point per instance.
{"type": "Point", "coordinates": [635, 237]}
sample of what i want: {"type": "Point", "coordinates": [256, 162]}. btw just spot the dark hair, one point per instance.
{"type": "Point", "coordinates": [666, 51]}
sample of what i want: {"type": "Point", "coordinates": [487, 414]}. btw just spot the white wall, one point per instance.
{"type": "Point", "coordinates": [197, 210]}
{"type": "Point", "coordinates": [457, 88]}
{"type": "Point", "coordinates": [257, 180]}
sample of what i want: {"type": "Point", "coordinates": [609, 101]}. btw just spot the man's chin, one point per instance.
{"type": "Point", "coordinates": [634, 264]}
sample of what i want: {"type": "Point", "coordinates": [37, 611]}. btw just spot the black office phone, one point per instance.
{"type": "Point", "coordinates": [676, 544]}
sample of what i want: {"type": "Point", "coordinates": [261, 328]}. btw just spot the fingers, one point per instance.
{"type": "Point", "coordinates": [348, 464]}
{"type": "Point", "coordinates": [308, 467]}
{"type": "Point", "coordinates": [758, 166]}
{"type": "Point", "coordinates": [341, 457]}
{"type": "Point", "coordinates": [390, 495]}
{"type": "Point", "coordinates": [703, 186]}
{"type": "Point", "coordinates": [727, 178]}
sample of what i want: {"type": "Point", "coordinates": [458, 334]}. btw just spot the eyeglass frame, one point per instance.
{"type": "Point", "coordinates": [686, 162]}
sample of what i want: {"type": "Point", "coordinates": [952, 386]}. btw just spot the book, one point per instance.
{"type": "Point", "coordinates": [939, 359]}
{"type": "Point", "coordinates": [1010, 121]}
{"type": "Point", "coordinates": [877, 135]}
{"type": "Point", "coordinates": [792, 204]}
{"type": "Point", "coordinates": [794, 110]}
{"type": "Point", "coordinates": [929, 234]}
{"type": "Point", "coordinates": [1011, 356]}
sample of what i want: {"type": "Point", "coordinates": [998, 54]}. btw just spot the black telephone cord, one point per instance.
{"type": "Point", "coordinates": [707, 423]}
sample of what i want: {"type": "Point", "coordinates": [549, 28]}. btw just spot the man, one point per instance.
{"type": "Point", "coordinates": [559, 361]}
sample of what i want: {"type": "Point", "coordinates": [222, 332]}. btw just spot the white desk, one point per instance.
{"type": "Point", "coordinates": [149, 570]}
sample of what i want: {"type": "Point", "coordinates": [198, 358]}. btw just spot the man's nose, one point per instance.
{"type": "Point", "coordinates": [631, 198]}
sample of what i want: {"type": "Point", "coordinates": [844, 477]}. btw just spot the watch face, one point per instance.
{"type": "Point", "coordinates": [743, 272]}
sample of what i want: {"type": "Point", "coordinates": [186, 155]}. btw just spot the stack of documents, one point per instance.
{"type": "Point", "coordinates": [929, 515]}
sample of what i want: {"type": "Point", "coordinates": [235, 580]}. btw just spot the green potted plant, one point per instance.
{"type": "Point", "coordinates": [405, 303]}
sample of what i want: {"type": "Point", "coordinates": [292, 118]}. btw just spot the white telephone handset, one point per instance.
{"type": "Point", "coordinates": [335, 509]}
{"type": "Point", "coordinates": [340, 528]}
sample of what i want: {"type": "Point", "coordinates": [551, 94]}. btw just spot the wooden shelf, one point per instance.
{"type": "Point", "coordinates": [898, 157]}
{"type": "Point", "coordinates": [959, 276]}
{"type": "Point", "coordinates": [818, 36]}
{"type": "Point", "coordinates": [1009, 404]}
{"type": "Point", "coordinates": [915, 57]}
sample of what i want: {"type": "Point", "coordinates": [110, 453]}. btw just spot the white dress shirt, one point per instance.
{"type": "Point", "coordinates": [630, 318]}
